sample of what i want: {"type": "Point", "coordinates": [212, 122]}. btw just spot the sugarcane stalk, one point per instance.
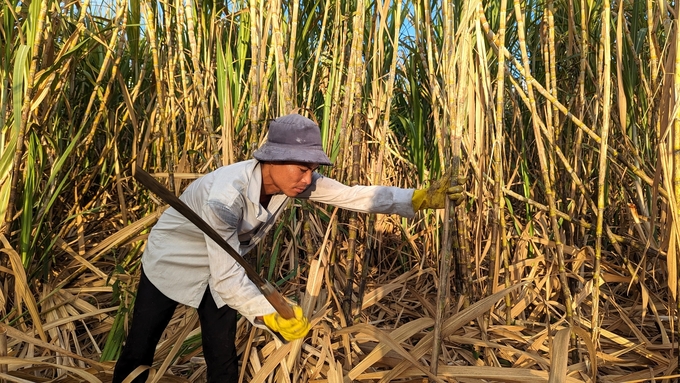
{"type": "Point", "coordinates": [433, 81]}
{"type": "Point", "coordinates": [544, 164]}
{"type": "Point", "coordinates": [573, 173]}
{"type": "Point", "coordinates": [580, 106]}
{"type": "Point", "coordinates": [500, 243]}
{"type": "Point", "coordinates": [461, 247]}
{"type": "Point", "coordinates": [553, 67]}
{"type": "Point", "coordinates": [192, 30]}
{"type": "Point", "coordinates": [551, 132]}
{"type": "Point", "coordinates": [309, 245]}
{"type": "Point", "coordinates": [352, 98]}
{"type": "Point", "coordinates": [653, 64]}
{"type": "Point", "coordinates": [613, 153]}
{"type": "Point", "coordinates": [267, 64]}
{"type": "Point", "coordinates": [549, 82]}
{"type": "Point", "coordinates": [333, 109]}
{"type": "Point", "coordinates": [605, 45]}
{"type": "Point", "coordinates": [171, 103]}
{"type": "Point", "coordinates": [285, 90]}
{"type": "Point", "coordinates": [121, 18]}
{"type": "Point", "coordinates": [189, 110]}
{"type": "Point", "coordinates": [266, 68]}
{"type": "Point", "coordinates": [445, 253]}
{"type": "Point", "coordinates": [676, 166]}
{"type": "Point", "coordinates": [111, 54]}
{"type": "Point", "coordinates": [317, 55]}
{"type": "Point", "coordinates": [442, 287]}
{"type": "Point", "coordinates": [254, 74]}
{"type": "Point", "coordinates": [370, 250]}
{"type": "Point", "coordinates": [332, 256]}
{"type": "Point", "coordinates": [454, 242]}
{"type": "Point", "coordinates": [385, 108]}
{"type": "Point", "coordinates": [160, 110]}
{"type": "Point", "coordinates": [293, 37]}
{"type": "Point", "coordinates": [353, 220]}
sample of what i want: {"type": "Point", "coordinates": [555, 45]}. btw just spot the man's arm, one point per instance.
{"type": "Point", "coordinates": [227, 277]}
{"type": "Point", "coordinates": [364, 199]}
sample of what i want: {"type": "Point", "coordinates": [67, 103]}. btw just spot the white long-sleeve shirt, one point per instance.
{"type": "Point", "coordinates": [181, 261]}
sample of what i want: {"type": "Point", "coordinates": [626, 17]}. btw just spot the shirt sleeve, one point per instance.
{"type": "Point", "coordinates": [364, 199]}
{"type": "Point", "coordinates": [227, 278]}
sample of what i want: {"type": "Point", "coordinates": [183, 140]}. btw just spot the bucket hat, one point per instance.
{"type": "Point", "coordinates": [293, 138]}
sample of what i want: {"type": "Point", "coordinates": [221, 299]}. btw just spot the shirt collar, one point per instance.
{"type": "Point", "coordinates": [255, 184]}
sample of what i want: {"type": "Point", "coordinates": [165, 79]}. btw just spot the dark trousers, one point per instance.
{"type": "Point", "coordinates": [152, 313]}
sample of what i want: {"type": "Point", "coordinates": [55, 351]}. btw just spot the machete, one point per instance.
{"type": "Point", "coordinates": [267, 289]}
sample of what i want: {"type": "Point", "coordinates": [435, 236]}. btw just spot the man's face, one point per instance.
{"type": "Point", "coordinates": [291, 178]}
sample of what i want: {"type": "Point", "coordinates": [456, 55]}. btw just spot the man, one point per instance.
{"type": "Point", "coordinates": [242, 202]}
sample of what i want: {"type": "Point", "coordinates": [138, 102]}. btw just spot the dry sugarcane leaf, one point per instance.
{"type": "Point", "coordinates": [376, 295]}
{"type": "Point", "coordinates": [316, 369]}
{"type": "Point", "coordinates": [246, 356]}
{"type": "Point", "coordinates": [388, 341]}
{"type": "Point", "coordinates": [255, 361]}
{"type": "Point", "coordinates": [662, 329]}
{"type": "Point", "coordinates": [592, 351]}
{"type": "Point", "coordinates": [560, 356]}
{"type": "Point", "coordinates": [399, 335]}
{"type": "Point", "coordinates": [584, 293]}
{"type": "Point", "coordinates": [21, 286]}
{"type": "Point", "coordinates": [335, 372]}
{"type": "Point", "coordinates": [18, 335]}
{"type": "Point", "coordinates": [579, 369]}
{"type": "Point", "coordinates": [84, 306]}
{"type": "Point", "coordinates": [509, 331]}
{"type": "Point", "coordinates": [123, 235]}
{"type": "Point", "coordinates": [137, 371]}
{"type": "Point", "coordinates": [309, 301]}
{"type": "Point", "coordinates": [615, 278]}
{"type": "Point", "coordinates": [580, 257]}
{"type": "Point", "coordinates": [497, 374]}
{"type": "Point", "coordinates": [16, 379]}
{"type": "Point", "coordinates": [277, 357]}
{"type": "Point", "coordinates": [72, 318]}
{"type": "Point", "coordinates": [672, 367]}
{"type": "Point", "coordinates": [27, 362]}
{"type": "Point", "coordinates": [313, 288]}
{"type": "Point", "coordinates": [283, 374]}
{"type": "Point", "coordinates": [451, 325]}
{"type": "Point", "coordinates": [50, 316]}
{"type": "Point", "coordinates": [624, 317]}
{"type": "Point", "coordinates": [80, 260]}
{"type": "Point", "coordinates": [537, 344]}
{"type": "Point", "coordinates": [638, 348]}
{"type": "Point", "coordinates": [672, 261]}
{"type": "Point", "coordinates": [186, 329]}
{"type": "Point", "coordinates": [476, 342]}
{"type": "Point", "coordinates": [638, 376]}
{"type": "Point", "coordinates": [621, 99]}
{"type": "Point", "coordinates": [530, 293]}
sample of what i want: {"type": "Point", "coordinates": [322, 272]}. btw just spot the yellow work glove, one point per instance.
{"type": "Point", "coordinates": [290, 329]}
{"type": "Point", "coordinates": [434, 196]}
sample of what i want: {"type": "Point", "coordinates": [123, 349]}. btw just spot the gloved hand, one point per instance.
{"type": "Point", "coordinates": [434, 196]}
{"type": "Point", "coordinates": [290, 329]}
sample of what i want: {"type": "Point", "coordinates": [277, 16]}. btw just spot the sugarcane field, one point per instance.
{"type": "Point", "coordinates": [484, 191]}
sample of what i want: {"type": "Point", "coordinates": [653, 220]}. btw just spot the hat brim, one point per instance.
{"type": "Point", "coordinates": [286, 153]}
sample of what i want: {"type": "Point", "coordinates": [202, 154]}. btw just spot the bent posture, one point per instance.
{"type": "Point", "coordinates": [242, 202]}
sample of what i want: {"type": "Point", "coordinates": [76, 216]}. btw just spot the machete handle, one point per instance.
{"type": "Point", "coordinates": [267, 289]}
{"type": "Point", "coordinates": [280, 304]}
